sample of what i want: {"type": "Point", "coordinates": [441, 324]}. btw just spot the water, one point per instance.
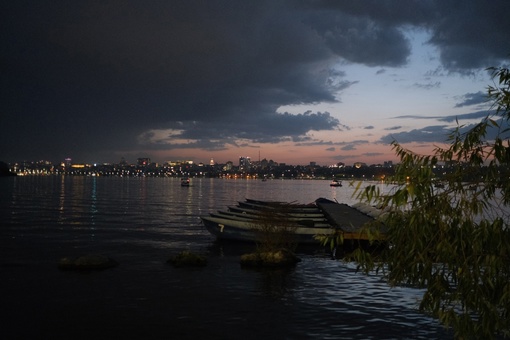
{"type": "Point", "coordinates": [141, 222]}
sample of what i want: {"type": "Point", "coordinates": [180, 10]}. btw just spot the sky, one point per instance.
{"type": "Point", "coordinates": [290, 81]}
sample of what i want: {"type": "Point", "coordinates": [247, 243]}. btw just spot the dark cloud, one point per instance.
{"type": "Point", "coordinates": [360, 39]}
{"type": "Point", "coordinates": [342, 144]}
{"type": "Point", "coordinates": [428, 86]}
{"type": "Point", "coordinates": [273, 129]}
{"type": "Point", "coordinates": [411, 12]}
{"type": "Point", "coordinates": [97, 79]}
{"type": "Point", "coordinates": [467, 116]}
{"type": "Point", "coordinates": [473, 99]}
{"type": "Point", "coordinates": [439, 133]}
{"type": "Point", "coordinates": [348, 147]}
{"type": "Point", "coordinates": [452, 118]}
{"type": "Point", "coordinates": [429, 134]}
{"type": "Point", "coordinates": [471, 34]}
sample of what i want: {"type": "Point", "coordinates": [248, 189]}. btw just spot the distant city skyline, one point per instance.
{"type": "Point", "coordinates": [245, 169]}
{"type": "Point", "coordinates": [147, 160]}
{"type": "Point", "coordinates": [320, 81]}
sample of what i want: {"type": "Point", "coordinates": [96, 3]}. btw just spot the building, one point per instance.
{"type": "Point", "coordinates": [143, 161]}
{"type": "Point", "coordinates": [244, 163]}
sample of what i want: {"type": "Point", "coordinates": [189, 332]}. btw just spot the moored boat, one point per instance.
{"type": "Point", "coordinates": [316, 214]}
{"type": "Point", "coordinates": [323, 223]}
{"type": "Point", "coordinates": [335, 183]}
{"type": "Point", "coordinates": [243, 224]}
{"type": "Point", "coordinates": [226, 229]}
{"type": "Point", "coordinates": [281, 207]}
{"type": "Point", "coordinates": [252, 216]}
{"type": "Point", "coordinates": [280, 203]}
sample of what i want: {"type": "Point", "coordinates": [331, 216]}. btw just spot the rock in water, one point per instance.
{"type": "Point", "coordinates": [278, 258]}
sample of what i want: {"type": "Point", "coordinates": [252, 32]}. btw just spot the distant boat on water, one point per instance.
{"type": "Point", "coordinates": [335, 183]}
{"type": "Point", "coordinates": [185, 182]}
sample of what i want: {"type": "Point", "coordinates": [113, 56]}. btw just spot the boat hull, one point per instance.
{"type": "Point", "coordinates": [287, 207]}
{"type": "Point", "coordinates": [294, 214]}
{"type": "Point", "coordinates": [242, 224]}
{"type": "Point", "coordinates": [225, 214]}
{"type": "Point", "coordinates": [225, 229]}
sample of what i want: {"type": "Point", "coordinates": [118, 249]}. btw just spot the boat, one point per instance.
{"type": "Point", "coordinates": [243, 215]}
{"type": "Point", "coordinates": [281, 207]}
{"type": "Point", "coordinates": [235, 230]}
{"type": "Point", "coordinates": [239, 209]}
{"type": "Point", "coordinates": [335, 183]}
{"type": "Point", "coordinates": [297, 222]}
{"type": "Point", "coordinates": [244, 224]}
{"type": "Point", "coordinates": [185, 182]}
{"type": "Point", "coordinates": [280, 203]}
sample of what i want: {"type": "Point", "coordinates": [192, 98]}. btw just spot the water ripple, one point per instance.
{"type": "Point", "coordinates": [141, 222]}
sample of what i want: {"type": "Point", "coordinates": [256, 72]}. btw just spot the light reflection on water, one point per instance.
{"type": "Point", "coordinates": [142, 221]}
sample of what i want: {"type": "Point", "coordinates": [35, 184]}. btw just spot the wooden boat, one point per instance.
{"type": "Point", "coordinates": [251, 200]}
{"type": "Point", "coordinates": [323, 223]}
{"type": "Point", "coordinates": [244, 215]}
{"type": "Point", "coordinates": [281, 207]}
{"type": "Point", "coordinates": [226, 229]}
{"type": "Point", "coordinates": [291, 214]}
{"type": "Point", "coordinates": [243, 224]}
{"type": "Point", "coordinates": [281, 203]}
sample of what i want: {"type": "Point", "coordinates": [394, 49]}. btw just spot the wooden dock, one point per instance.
{"type": "Point", "coordinates": [346, 218]}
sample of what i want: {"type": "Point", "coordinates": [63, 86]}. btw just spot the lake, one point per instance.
{"type": "Point", "coordinates": [141, 222]}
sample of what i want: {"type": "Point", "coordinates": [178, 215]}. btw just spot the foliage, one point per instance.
{"type": "Point", "coordinates": [333, 240]}
{"type": "Point", "coordinates": [450, 236]}
{"type": "Point", "coordinates": [275, 230]}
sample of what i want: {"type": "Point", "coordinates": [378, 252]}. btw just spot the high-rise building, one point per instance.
{"type": "Point", "coordinates": [244, 163]}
